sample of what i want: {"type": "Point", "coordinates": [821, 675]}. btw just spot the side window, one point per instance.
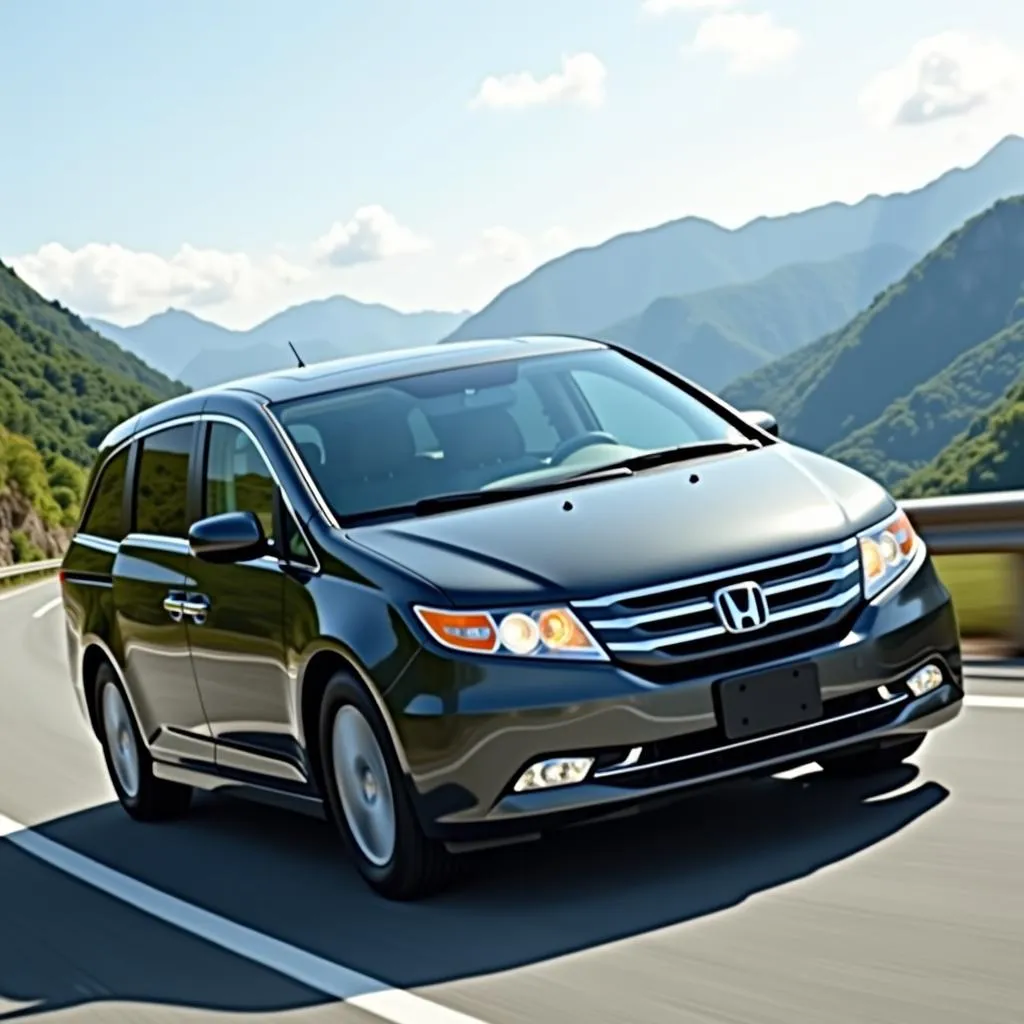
{"type": "Point", "coordinates": [619, 410]}
{"type": "Point", "coordinates": [161, 483]}
{"type": "Point", "coordinates": [104, 518]}
{"type": "Point", "coordinates": [237, 479]}
{"type": "Point", "coordinates": [295, 547]}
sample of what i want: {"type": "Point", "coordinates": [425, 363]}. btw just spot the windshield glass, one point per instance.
{"type": "Point", "coordinates": [505, 424]}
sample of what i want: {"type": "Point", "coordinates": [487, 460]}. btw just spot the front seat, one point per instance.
{"type": "Point", "coordinates": [483, 445]}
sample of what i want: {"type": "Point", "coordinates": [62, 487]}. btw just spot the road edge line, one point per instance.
{"type": "Point", "coordinates": [372, 995]}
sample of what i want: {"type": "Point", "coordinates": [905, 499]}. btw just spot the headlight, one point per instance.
{"type": "Point", "coordinates": [885, 551]}
{"type": "Point", "coordinates": [530, 633]}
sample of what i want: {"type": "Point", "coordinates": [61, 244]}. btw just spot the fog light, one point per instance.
{"type": "Point", "coordinates": [556, 771]}
{"type": "Point", "coordinates": [924, 680]}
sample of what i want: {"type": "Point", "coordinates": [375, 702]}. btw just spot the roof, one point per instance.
{"type": "Point", "coordinates": [352, 371]}
{"type": "Point", "coordinates": [377, 367]}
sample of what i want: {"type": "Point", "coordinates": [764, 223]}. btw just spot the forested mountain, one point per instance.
{"type": "Point", "coordinates": [988, 456]}
{"type": "Point", "coordinates": [714, 337]}
{"type": "Point", "coordinates": [891, 389]}
{"type": "Point", "coordinates": [62, 387]}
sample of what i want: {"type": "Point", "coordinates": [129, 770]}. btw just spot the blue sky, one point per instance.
{"type": "Point", "coordinates": [236, 156]}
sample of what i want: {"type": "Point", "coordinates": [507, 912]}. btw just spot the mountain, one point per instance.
{"type": "Point", "coordinates": [988, 456]}
{"type": "Point", "coordinates": [923, 422]}
{"type": "Point", "coordinates": [61, 384]}
{"type": "Point", "coordinates": [891, 389]}
{"type": "Point", "coordinates": [586, 290]}
{"type": "Point", "coordinates": [714, 337]}
{"type": "Point", "coordinates": [62, 387]}
{"type": "Point", "coordinates": [18, 300]}
{"type": "Point", "coordinates": [202, 353]}
{"type": "Point", "coordinates": [169, 340]}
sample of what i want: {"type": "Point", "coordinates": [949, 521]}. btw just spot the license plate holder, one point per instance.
{"type": "Point", "coordinates": [764, 702]}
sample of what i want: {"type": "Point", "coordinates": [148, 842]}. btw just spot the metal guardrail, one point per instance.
{"type": "Point", "coordinates": [28, 568]}
{"type": "Point", "coordinates": [976, 524]}
{"type": "Point", "coordinates": [970, 524]}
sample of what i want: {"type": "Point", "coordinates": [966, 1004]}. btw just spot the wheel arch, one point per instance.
{"type": "Point", "coordinates": [95, 654]}
{"type": "Point", "coordinates": [321, 664]}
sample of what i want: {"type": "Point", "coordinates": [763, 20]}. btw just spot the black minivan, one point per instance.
{"type": "Point", "coordinates": [475, 592]}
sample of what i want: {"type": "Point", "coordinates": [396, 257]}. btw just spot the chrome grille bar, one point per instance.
{"type": "Point", "coordinates": [696, 581]}
{"type": "Point", "coordinates": [800, 590]}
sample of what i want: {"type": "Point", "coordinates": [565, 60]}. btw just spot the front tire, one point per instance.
{"type": "Point", "coordinates": [368, 800]}
{"type": "Point", "coordinates": [129, 764]}
{"type": "Point", "coordinates": [872, 761]}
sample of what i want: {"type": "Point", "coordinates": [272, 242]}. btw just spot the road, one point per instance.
{"type": "Point", "coordinates": [793, 900]}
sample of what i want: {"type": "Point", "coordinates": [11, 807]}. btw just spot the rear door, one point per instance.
{"type": "Point", "coordinates": [150, 587]}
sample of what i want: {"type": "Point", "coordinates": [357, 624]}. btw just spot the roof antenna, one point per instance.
{"type": "Point", "coordinates": [298, 358]}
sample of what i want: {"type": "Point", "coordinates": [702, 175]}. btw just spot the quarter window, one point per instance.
{"type": "Point", "coordinates": [105, 517]}
{"type": "Point", "coordinates": [161, 489]}
{"type": "Point", "coordinates": [237, 478]}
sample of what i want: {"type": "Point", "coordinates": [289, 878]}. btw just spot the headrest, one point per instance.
{"type": "Point", "coordinates": [371, 439]}
{"type": "Point", "coordinates": [477, 437]}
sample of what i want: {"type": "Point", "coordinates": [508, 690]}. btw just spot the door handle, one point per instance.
{"type": "Point", "coordinates": [174, 605]}
{"type": "Point", "coordinates": [196, 606]}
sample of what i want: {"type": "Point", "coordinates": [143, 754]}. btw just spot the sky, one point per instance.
{"type": "Point", "coordinates": [236, 157]}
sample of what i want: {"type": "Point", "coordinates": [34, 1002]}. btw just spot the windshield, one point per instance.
{"type": "Point", "coordinates": [505, 424]}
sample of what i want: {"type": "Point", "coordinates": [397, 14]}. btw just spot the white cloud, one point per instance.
{"type": "Point", "coordinates": [657, 7]}
{"type": "Point", "coordinates": [581, 81]}
{"type": "Point", "coordinates": [752, 42]}
{"type": "Point", "coordinates": [372, 234]}
{"type": "Point", "coordinates": [949, 75]}
{"type": "Point", "coordinates": [503, 245]}
{"type": "Point", "coordinates": [102, 279]}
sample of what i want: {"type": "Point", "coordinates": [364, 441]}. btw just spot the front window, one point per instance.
{"type": "Point", "coordinates": [505, 424]}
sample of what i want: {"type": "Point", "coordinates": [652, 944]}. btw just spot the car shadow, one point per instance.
{"type": "Point", "coordinates": [284, 876]}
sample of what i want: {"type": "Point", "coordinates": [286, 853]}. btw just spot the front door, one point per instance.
{"type": "Point", "coordinates": [150, 584]}
{"type": "Point", "coordinates": [238, 648]}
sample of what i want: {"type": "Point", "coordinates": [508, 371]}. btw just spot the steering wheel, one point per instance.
{"type": "Point", "coordinates": [575, 444]}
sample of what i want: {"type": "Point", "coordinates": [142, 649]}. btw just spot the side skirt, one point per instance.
{"type": "Point", "coordinates": [217, 782]}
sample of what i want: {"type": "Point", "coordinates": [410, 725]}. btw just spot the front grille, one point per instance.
{"type": "Point", "coordinates": [662, 631]}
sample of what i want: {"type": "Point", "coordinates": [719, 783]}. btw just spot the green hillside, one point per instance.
{"type": "Point", "coordinates": [713, 337]}
{"type": "Point", "coordinates": [71, 332]}
{"type": "Point", "coordinates": [62, 387]}
{"type": "Point", "coordinates": [61, 384]}
{"type": "Point", "coordinates": [960, 296]}
{"type": "Point", "coordinates": [988, 456]}
{"type": "Point", "coordinates": [39, 500]}
{"type": "Point", "coordinates": [909, 433]}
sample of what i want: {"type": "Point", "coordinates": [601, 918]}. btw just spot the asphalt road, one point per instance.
{"type": "Point", "coordinates": [788, 901]}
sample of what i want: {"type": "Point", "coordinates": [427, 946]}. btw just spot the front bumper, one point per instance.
{"type": "Point", "coordinates": [470, 726]}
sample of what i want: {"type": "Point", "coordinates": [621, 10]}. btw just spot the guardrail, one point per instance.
{"type": "Point", "coordinates": [976, 524]}
{"type": "Point", "coordinates": [28, 568]}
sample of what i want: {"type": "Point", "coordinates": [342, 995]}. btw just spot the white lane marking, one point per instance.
{"type": "Point", "coordinates": [47, 608]}
{"type": "Point", "coordinates": [332, 979]}
{"type": "Point", "coordinates": [982, 700]}
{"type": "Point", "coordinates": [17, 591]}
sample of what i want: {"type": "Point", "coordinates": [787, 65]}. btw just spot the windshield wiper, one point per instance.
{"type": "Point", "coordinates": [467, 499]}
{"type": "Point", "coordinates": [678, 453]}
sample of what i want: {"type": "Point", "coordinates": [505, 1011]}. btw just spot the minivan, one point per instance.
{"type": "Point", "coordinates": [476, 592]}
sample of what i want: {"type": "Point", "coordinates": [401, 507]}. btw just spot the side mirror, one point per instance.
{"type": "Point", "coordinates": [763, 421]}
{"type": "Point", "coordinates": [229, 537]}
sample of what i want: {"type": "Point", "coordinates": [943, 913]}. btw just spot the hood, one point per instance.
{"type": "Point", "coordinates": [629, 532]}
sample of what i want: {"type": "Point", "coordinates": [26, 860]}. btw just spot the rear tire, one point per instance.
{"type": "Point", "coordinates": [129, 765]}
{"type": "Point", "coordinates": [368, 799]}
{"type": "Point", "coordinates": [873, 760]}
